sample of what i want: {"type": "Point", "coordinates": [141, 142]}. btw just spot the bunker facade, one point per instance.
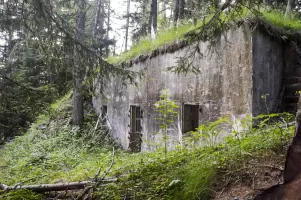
{"type": "Point", "coordinates": [247, 72]}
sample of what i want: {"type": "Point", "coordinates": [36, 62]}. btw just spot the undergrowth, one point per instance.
{"type": "Point", "coordinates": [170, 35]}
{"type": "Point", "coordinates": [52, 151]}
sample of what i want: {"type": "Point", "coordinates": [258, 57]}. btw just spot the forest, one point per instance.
{"type": "Point", "coordinates": [54, 145]}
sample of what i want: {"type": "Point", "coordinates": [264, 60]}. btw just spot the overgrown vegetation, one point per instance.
{"type": "Point", "coordinates": [167, 109]}
{"type": "Point", "coordinates": [52, 151]}
{"type": "Point", "coordinates": [146, 45]}
{"type": "Point", "coordinates": [279, 21]}
{"type": "Point", "coordinates": [170, 35]}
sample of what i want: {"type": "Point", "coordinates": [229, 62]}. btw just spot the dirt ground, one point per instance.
{"type": "Point", "coordinates": [257, 176]}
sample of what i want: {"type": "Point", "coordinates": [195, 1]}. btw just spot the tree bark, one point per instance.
{"type": "Point", "coordinates": [108, 26]}
{"type": "Point", "coordinates": [144, 26]}
{"type": "Point", "coordinates": [176, 12]}
{"type": "Point", "coordinates": [78, 71]}
{"type": "Point", "coordinates": [196, 13]}
{"type": "Point", "coordinates": [152, 25]}
{"type": "Point", "coordinates": [97, 17]}
{"type": "Point", "coordinates": [164, 10]}
{"type": "Point", "coordinates": [289, 8]}
{"type": "Point", "coordinates": [181, 9]}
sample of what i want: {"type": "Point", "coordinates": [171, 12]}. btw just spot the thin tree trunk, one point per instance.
{"type": "Point", "coordinates": [108, 25]}
{"type": "Point", "coordinates": [176, 12]}
{"type": "Point", "coordinates": [78, 72]}
{"type": "Point", "coordinates": [97, 17]}
{"type": "Point", "coordinates": [289, 8]}
{"type": "Point", "coordinates": [152, 25]}
{"type": "Point", "coordinates": [181, 9]}
{"type": "Point", "coordinates": [196, 13]}
{"type": "Point", "coordinates": [51, 72]}
{"type": "Point", "coordinates": [164, 9]}
{"type": "Point", "coordinates": [145, 16]}
{"type": "Point", "coordinates": [127, 24]}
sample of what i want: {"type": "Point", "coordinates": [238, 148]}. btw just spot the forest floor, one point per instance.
{"type": "Point", "coordinates": [52, 151]}
{"type": "Point", "coordinates": [265, 172]}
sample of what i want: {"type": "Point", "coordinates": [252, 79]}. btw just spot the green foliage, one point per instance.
{"type": "Point", "coordinates": [53, 151]}
{"type": "Point", "coordinates": [147, 45]}
{"type": "Point", "coordinates": [192, 173]}
{"type": "Point", "coordinates": [37, 57]}
{"type": "Point", "coordinates": [22, 194]}
{"type": "Point", "coordinates": [278, 19]}
{"type": "Point", "coordinates": [198, 180]}
{"type": "Point", "coordinates": [207, 133]}
{"type": "Point", "coordinates": [167, 109]}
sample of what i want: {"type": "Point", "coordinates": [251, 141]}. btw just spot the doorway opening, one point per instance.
{"type": "Point", "coordinates": [190, 119]}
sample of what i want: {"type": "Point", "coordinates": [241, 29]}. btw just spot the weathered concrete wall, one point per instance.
{"type": "Point", "coordinates": [224, 86]}
{"type": "Point", "coordinates": [268, 69]}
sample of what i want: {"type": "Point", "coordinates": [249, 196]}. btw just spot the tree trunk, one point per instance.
{"type": "Point", "coordinates": [176, 12]}
{"type": "Point", "coordinates": [78, 71]}
{"type": "Point", "coordinates": [97, 17]}
{"type": "Point", "coordinates": [152, 25]}
{"type": "Point", "coordinates": [127, 24]}
{"type": "Point", "coordinates": [51, 76]}
{"type": "Point", "coordinates": [164, 15]}
{"type": "Point", "coordinates": [108, 25]}
{"type": "Point", "coordinates": [144, 26]}
{"type": "Point", "coordinates": [181, 9]}
{"type": "Point", "coordinates": [196, 13]}
{"type": "Point", "coordinates": [289, 8]}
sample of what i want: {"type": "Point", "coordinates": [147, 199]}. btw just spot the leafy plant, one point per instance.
{"type": "Point", "coordinates": [167, 113]}
{"type": "Point", "coordinates": [207, 133]}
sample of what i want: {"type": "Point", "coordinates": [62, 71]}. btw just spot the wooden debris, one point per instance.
{"type": "Point", "coordinates": [57, 187]}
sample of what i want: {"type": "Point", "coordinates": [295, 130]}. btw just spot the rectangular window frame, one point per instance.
{"type": "Point", "coordinates": [135, 119]}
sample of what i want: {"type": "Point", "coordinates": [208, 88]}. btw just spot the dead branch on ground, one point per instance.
{"type": "Point", "coordinates": [87, 185]}
{"type": "Point", "coordinates": [57, 187]}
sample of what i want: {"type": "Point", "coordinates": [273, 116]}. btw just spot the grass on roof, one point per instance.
{"type": "Point", "coordinates": [279, 20]}
{"type": "Point", "coordinates": [168, 36]}
{"type": "Point", "coordinates": [146, 45]}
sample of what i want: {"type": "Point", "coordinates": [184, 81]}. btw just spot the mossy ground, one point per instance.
{"type": "Point", "coordinates": [52, 151]}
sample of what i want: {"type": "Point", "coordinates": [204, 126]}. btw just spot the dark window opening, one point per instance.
{"type": "Point", "coordinates": [104, 112]}
{"type": "Point", "coordinates": [190, 117]}
{"type": "Point", "coordinates": [135, 129]}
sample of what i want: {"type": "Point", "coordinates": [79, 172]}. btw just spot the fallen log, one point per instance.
{"type": "Point", "coordinates": [56, 187]}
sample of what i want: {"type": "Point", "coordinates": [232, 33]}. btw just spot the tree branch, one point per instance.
{"type": "Point", "coordinates": [19, 84]}
{"type": "Point", "coordinates": [56, 187]}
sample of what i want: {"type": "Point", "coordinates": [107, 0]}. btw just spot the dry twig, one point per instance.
{"type": "Point", "coordinates": [111, 165]}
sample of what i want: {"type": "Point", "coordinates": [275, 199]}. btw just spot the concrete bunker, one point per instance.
{"type": "Point", "coordinates": [246, 64]}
